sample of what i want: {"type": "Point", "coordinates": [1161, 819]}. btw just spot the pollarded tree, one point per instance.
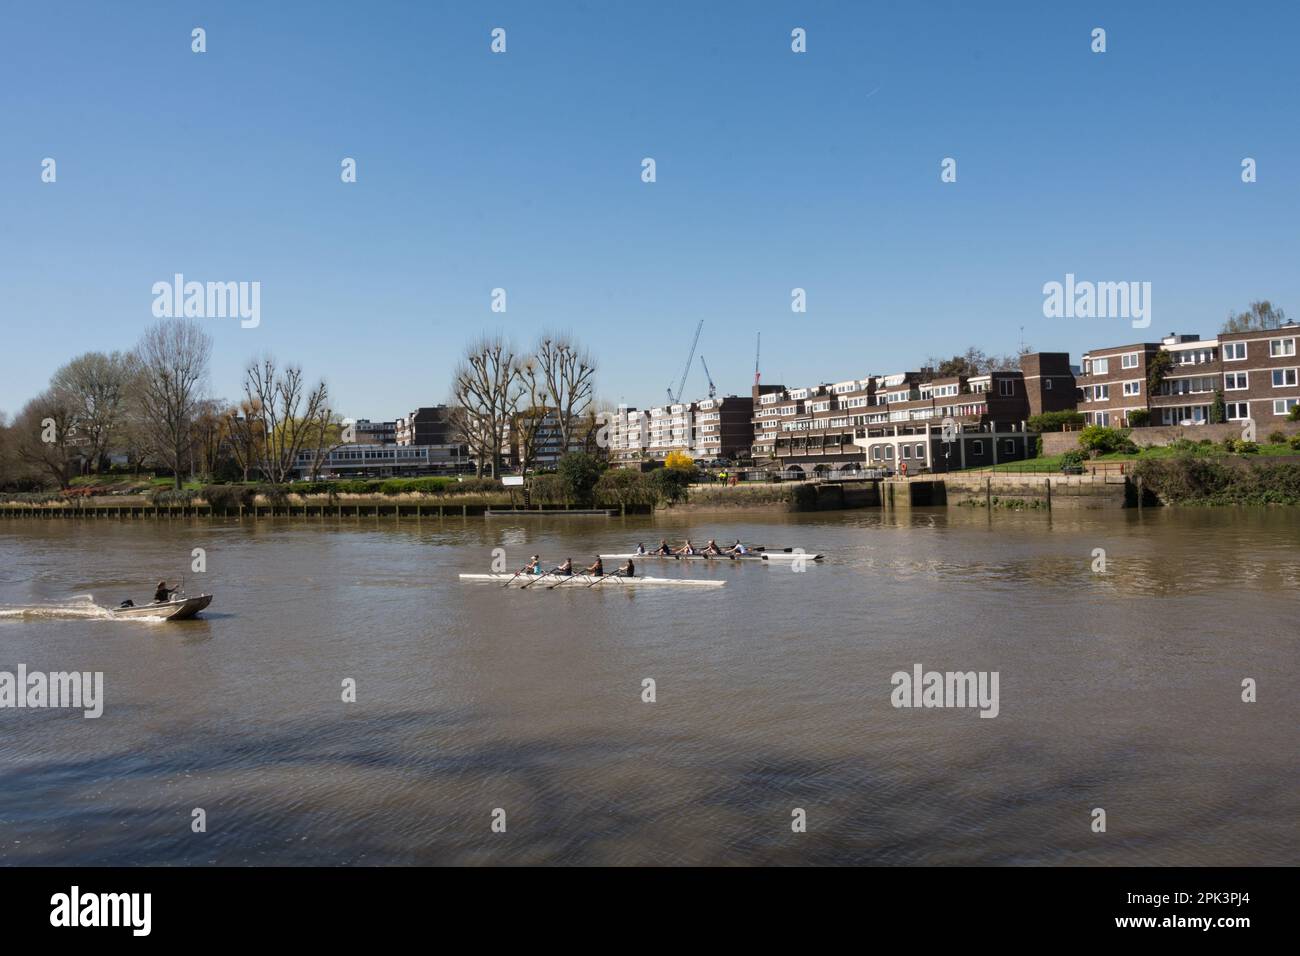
{"type": "Point", "coordinates": [486, 392]}
{"type": "Point", "coordinates": [282, 418]}
{"type": "Point", "coordinates": [568, 372]}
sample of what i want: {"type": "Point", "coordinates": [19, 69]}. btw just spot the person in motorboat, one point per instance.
{"type": "Point", "coordinates": [597, 569]}
{"type": "Point", "coordinates": [737, 549]}
{"type": "Point", "coordinates": [164, 593]}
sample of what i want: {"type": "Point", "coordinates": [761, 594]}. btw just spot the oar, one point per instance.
{"type": "Point", "coordinates": [512, 580]}
{"type": "Point", "coordinates": [602, 577]}
{"type": "Point", "coordinates": [538, 578]}
{"type": "Point", "coordinates": [563, 581]}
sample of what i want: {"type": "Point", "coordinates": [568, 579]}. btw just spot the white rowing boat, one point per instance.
{"type": "Point", "coordinates": [583, 580]}
{"type": "Point", "coordinates": [769, 556]}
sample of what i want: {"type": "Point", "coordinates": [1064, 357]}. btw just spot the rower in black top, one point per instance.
{"type": "Point", "coordinates": [663, 547]}
{"type": "Point", "coordinates": [598, 569]}
{"type": "Point", "coordinates": [711, 548]}
{"type": "Point", "coordinates": [628, 570]}
{"type": "Point", "coordinates": [566, 568]}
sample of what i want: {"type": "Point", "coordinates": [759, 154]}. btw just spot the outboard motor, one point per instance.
{"type": "Point", "coordinates": [127, 603]}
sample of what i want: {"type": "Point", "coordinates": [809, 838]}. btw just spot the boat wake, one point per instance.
{"type": "Point", "coordinates": [77, 607]}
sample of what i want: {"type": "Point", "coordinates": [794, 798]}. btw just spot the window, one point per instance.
{"type": "Point", "coordinates": [1283, 406]}
{"type": "Point", "coordinates": [907, 452]}
{"type": "Point", "coordinates": [889, 453]}
{"type": "Point", "coordinates": [1282, 377]}
{"type": "Point", "coordinates": [1129, 360]}
{"type": "Point", "coordinates": [977, 447]}
{"type": "Point", "coordinates": [1100, 366]}
{"type": "Point", "coordinates": [1006, 387]}
{"type": "Point", "coordinates": [1238, 411]}
{"type": "Point", "coordinates": [1235, 381]}
{"type": "Point", "coordinates": [1047, 384]}
{"type": "Point", "coordinates": [1280, 347]}
{"type": "Point", "coordinates": [1009, 446]}
{"type": "Point", "coordinates": [1234, 351]}
{"type": "Point", "coordinates": [1133, 388]}
{"type": "Point", "coordinates": [1101, 393]}
{"type": "Point", "coordinates": [920, 452]}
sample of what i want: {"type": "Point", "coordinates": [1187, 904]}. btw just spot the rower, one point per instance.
{"type": "Point", "coordinates": [164, 593]}
{"type": "Point", "coordinates": [566, 568]}
{"type": "Point", "coordinates": [597, 569]}
{"type": "Point", "coordinates": [737, 548]}
{"type": "Point", "coordinates": [711, 548]}
{"type": "Point", "coordinates": [534, 566]}
{"type": "Point", "coordinates": [663, 547]}
{"type": "Point", "coordinates": [640, 549]}
{"type": "Point", "coordinates": [686, 548]}
{"type": "Point", "coordinates": [628, 570]}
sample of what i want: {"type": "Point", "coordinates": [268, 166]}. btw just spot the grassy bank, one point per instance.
{"type": "Point", "coordinates": [1191, 480]}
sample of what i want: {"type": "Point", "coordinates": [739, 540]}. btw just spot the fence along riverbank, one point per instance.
{"type": "Point", "coordinates": [988, 490]}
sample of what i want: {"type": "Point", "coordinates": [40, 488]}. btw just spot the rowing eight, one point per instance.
{"type": "Point", "coordinates": [581, 580]}
{"type": "Point", "coordinates": [752, 556]}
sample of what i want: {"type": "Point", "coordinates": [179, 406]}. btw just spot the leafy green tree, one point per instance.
{"type": "Point", "coordinates": [1218, 410]}
{"type": "Point", "coordinates": [579, 471]}
{"type": "Point", "coordinates": [1157, 368]}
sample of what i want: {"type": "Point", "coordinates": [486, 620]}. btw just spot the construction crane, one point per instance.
{"type": "Point", "coordinates": [674, 397]}
{"type": "Point", "coordinates": [758, 343]}
{"type": "Point", "coordinates": [713, 392]}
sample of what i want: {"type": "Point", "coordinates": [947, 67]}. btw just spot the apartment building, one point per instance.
{"type": "Point", "coordinates": [375, 433]}
{"type": "Point", "coordinates": [424, 426]}
{"type": "Point", "coordinates": [547, 440]}
{"type": "Point", "coordinates": [1260, 372]}
{"type": "Point", "coordinates": [1255, 372]}
{"type": "Point", "coordinates": [706, 430]}
{"type": "Point", "coordinates": [722, 427]}
{"type": "Point", "coordinates": [911, 420]}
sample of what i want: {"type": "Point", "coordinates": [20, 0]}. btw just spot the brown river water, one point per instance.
{"type": "Point", "coordinates": [1119, 690]}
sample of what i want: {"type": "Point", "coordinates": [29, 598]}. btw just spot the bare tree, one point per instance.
{"type": "Point", "coordinates": [284, 415]}
{"type": "Point", "coordinates": [41, 436]}
{"type": "Point", "coordinates": [242, 425]}
{"type": "Point", "coordinates": [486, 391]}
{"type": "Point", "coordinates": [1258, 317]}
{"type": "Point", "coordinates": [95, 387]}
{"type": "Point", "coordinates": [528, 422]}
{"type": "Point", "coordinates": [207, 440]}
{"type": "Point", "coordinates": [173, 362]}
{"type": "Point", "coordinates": [568, 372]}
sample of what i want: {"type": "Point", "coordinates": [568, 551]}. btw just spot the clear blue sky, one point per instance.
{"type": "Point", "coordinates": [522, 170]}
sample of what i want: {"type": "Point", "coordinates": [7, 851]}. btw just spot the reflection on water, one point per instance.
{"type": "Point", "coordinates": [1119, 690]}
